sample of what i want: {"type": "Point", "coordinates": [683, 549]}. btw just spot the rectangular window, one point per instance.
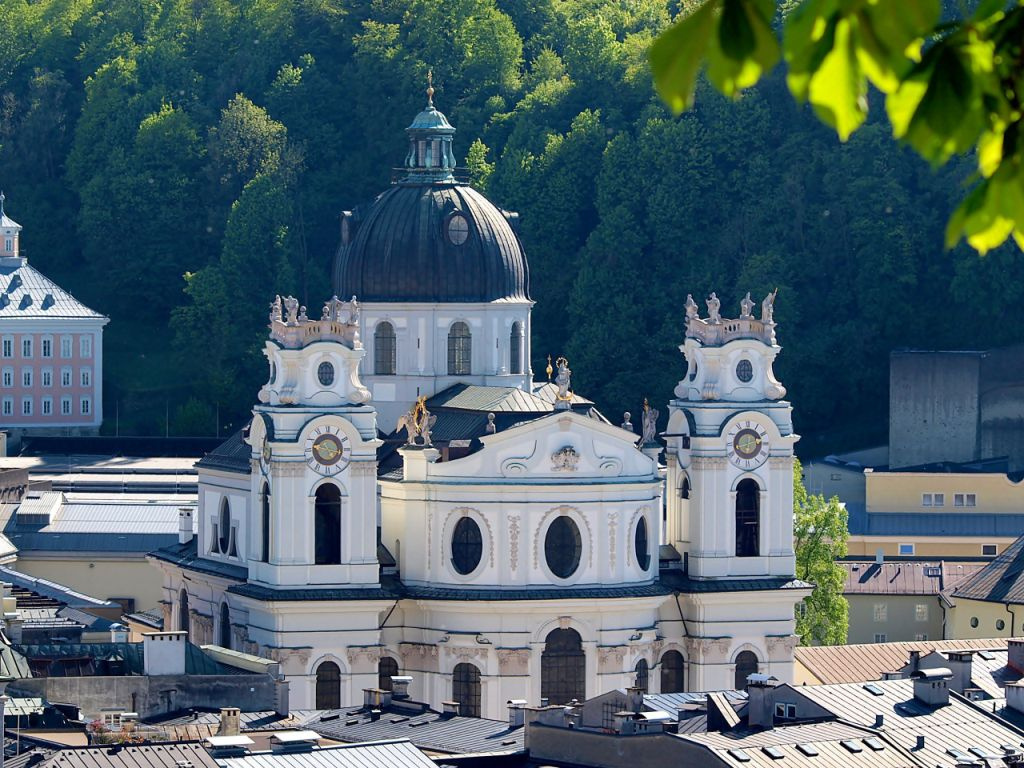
{"type": "Point", "coordinates": [47, 377]}
{"type": "Point", "coordinates": [835, 476]}
{"type": "Point", "coordinates": [8, 244]}
{"type": "Point", "coordinates": [26, 377]}
{"type": "Point", "coordinates": [65, 346]}
{"type": "Point", "coordinates": [880, 637]}
{"type": "Point", "coordinates": [8, 409]}
{"type": "Point", "coordinates": [958, 499]}
{"type": "Point", "coordinates": [881, 611]}
{"type": "Point", "coordinates": [8, 346]}
{"type": "Point", "coordinates": [26, 406]}
{"type": "Point", "coordinates": [65, 406]}
{"type": "Point", "coordinates": [970, 499]}
{"type": "Point", "coordinates": [906, 550]}
{"type": "Point", "coordinates": [47, 347]}
{"type": "Point", "coordinates": [926, 499]}
{"type": "Point", "coordinates": [921, 612]}
{"type": "Point", "coordinates": [65, 377]}
{"type": "Point", "coordinates": [26, 346]}
{"type": "Point", "coordinates": [988, 550]}
{"type": "Point", "coordinates": [8, 377]}
{"type": "Point", "coordinates": [920, 636]}
{"type": "Point", "coordinates": [85, 346]}
{"type": "Point", "coordinates": [47, 406]}
{"type": "Point", "coordinates": [87, 377]}
{"type": "Point", "coordinates": [938, 499]}
{"type": "Point", "coordinates": [86, 406]}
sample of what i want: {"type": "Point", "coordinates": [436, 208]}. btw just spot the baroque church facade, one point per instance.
{"type": "Point", "coordinates": [407, 500]}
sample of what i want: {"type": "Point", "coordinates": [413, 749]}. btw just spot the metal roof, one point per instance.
{"type": "Point", "coordinates": [975, 524]}
{"type": "Point", "coordinates": [171, 755]}
{"type": "Point", "coordinates": [187, 556]}
{"type": "Point", "coordinates": [471, 397]}
{"type": "Point", "coordinates": [905, 577]}
{"type": "Point", "coordinates": [1002, 580]}
{"type": "Point", "coordinates": [27, 293]}
{"type": "Point", "coordinates": [233, 455]}
{"type": "Point", "coordinates": [52, 589]}
{"type": "Point", "coordinates": [380, 754]}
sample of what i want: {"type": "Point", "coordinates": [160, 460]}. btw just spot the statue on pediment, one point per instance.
{"type": "Point", "coordinates": [417, 424]}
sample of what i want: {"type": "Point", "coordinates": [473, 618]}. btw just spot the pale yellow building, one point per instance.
{"type": "Point", "coordinates": [991, 603]}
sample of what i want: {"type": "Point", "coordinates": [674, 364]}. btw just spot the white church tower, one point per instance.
{"type": "Point", "coordinates": [730, 495]}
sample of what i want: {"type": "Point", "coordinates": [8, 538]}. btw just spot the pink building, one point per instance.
{"type": "Point", "coordinates": [51, 349]}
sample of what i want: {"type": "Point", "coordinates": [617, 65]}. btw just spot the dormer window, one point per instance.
{"type": "Point", "coordinates": [325, 374]}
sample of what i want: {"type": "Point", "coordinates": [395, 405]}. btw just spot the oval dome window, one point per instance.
{"type": "Point", "coordinates": [458, 229]}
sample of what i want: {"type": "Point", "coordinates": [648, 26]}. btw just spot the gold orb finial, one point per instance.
{"type": "Point", "coordinates": [549, 369]}
{"type": "Point", "coordinates": [430, 87]}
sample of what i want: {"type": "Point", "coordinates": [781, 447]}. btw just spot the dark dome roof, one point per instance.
{"type": "Point", "coordinates": [398, 248]}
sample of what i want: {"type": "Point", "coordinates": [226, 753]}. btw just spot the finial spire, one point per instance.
{"type": "Point", "coordinates": [2, 198]}
{"type": "Point", "coordinates": [430, 87]}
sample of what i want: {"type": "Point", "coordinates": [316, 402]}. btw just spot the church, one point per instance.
{"type": "Point", "coordinates": [408, 501]}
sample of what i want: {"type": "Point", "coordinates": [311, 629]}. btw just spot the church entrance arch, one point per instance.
{"type": "Point", "coordinates": [563, 667]}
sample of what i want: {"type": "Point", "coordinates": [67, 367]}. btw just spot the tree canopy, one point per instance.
{"type": "Point", "coordinates": [176, 164]}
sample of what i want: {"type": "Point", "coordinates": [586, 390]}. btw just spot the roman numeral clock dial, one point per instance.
{"type": "Point", "coordinates": [327, 451]}
{"type": "Point", "coordinates": [748, 445]}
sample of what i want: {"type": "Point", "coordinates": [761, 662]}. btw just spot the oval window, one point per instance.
{"type": "Point", "coordinates": [467, 546]}
{"type": "Point", "coordinates": [458, 229]}
{"type": "Point", "coordinates": [974, 622]}
{"type": "Point", "coordinates": [643, 557]}
{"type": "Point", "coordinates": [744, 371]}
{"type": "Point", "coordinates": [562, 547]}
{"type": "Point", "coordinates": [1000, 625]}
{"type": "Point", "coordinates": [325, 374]}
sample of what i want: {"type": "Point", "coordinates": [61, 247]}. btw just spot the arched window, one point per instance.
{"type": "Point", "coordinates": [328, 686]}
{"type": "Point", "coordinates": [684, 489]}
{"type": "Point", "coordinates": [386, 669]}
{"type": "Point", "coordinates": [563, 547]}
{"type": "Point", "coordinates": [327, 533]}
{"type": "Point", "coordinates": [563, 667]}
{"type": "Point", "coordinates": [640, 545]}
{"type": "Point", "coordinates": [224, 527]}
{"type": "Point", "coordinates": [672, 672]}
{"type": "Point", "coordinates": [460, 350]}
{"type": "Point", "coordinates": [183, 617]}
{"type": "Point", "coordinates": [643, 675]}
{"type": "Point", "coordinates": [225, 626]}
{"type": "Point", "coordinates": [385, 352]}
{"type": "Point", "coordinates": [748, 500]}
{"type": "Point", "coordinates": [746, 665]}
{"type": "Point", "coordinates": [466, 689]}
{"type": "Point", "coordinates": [515, 349]}
{"type": "Point", "coordinates": [265, 524]}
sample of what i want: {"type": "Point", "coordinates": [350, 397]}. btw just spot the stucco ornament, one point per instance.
{"type": "Point", "coordinates": [417, 424]}
{"type": "Point", "coordinates": [565, 459]}
{"type": "Point", "coordinates": [513, 541]}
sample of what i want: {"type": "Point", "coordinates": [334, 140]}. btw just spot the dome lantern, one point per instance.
{"type": "Point", "coordinates": [430, 156]}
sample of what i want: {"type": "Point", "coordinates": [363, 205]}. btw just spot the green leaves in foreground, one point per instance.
{"type": "Point", "coordinates": [950, 88]}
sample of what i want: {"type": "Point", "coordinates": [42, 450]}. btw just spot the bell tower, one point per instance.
{"type": "Point", "coordinates": [731, 448]}
{"type": "Point", "coordinates": [314, 443]}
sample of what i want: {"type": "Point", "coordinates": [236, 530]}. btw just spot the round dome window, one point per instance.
{"type": "Point", "coordinates": [458, 229]}
{"type": "Point", "coordinates": [744, 371]}
{"type": "Point", "coordinates": [563, 547]}
{"type": "Point", "coordinates": [325, 374]}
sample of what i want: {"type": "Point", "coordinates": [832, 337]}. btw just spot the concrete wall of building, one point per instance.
{"type": "Point", "coordinates": [934, 411]}
{"type": "Point", "coordinates": [945, 547]}
{"type": "Point", "coordinates": [151, 696]}
{"type": "Point", "coordinates": [902, 621]}
{"type": "Point", "coordinates": [107, 578]}
{"type": "Point", "coordinates": [604, 750]}
{"type": "Point", "coordinates": [827, 479]}
{"type": "Point", "coordinates": [993, 492]}
{"type": "Point", "coordinates": [975, 618]}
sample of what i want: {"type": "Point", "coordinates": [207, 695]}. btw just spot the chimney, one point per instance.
{"type": "Point", "coordinates": [164, 653]}
{"type": "Point", "coordinates": [761, 700]}
{"type": "Point", "coordinates": [516, 713]}
{"type": "Point", "coordinates": [118, 633]}
{"type": "Point", "coordinates": [879, 721]}
{"type": "Point", "coordinates": [449, 709]}
{"type": "Point", "coordinates": [1015, 696]}
{"type": "Point", "coordinates": [281, 696]}
{"type": "Point", "coordinates": [635, 699]}
{"type": "Point", "coordinates": [624, 723]}
{"type": "Point", "coordinates": [920, 743]}
{"type": "Point", "coordinates": [376, 698]}
{"type": "Point", "coordinates": [230, 721]}
{"type": "Point", "coordinates": [1015, 655]}
{"type": "Point", "coordinates": [544, 701]}
{"type": "Point", "coordinates": [959, 663]}
{"type": "Point", "coordinates": [915, 661]}
{"type": "Point", "coordinates": [400, 686]}
{"type": "Point", "coordinates": [184, 525]}
{"type": "Point", "coordinates": [931, 686]}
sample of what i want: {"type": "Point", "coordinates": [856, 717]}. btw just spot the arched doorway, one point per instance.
{"type": "Point", "coordinates": [466, 689]}
{"type": "Point", "coordinates": [386, 669]}
{"type": "Point", "coordinates": [643, 675]}
{"type": "Point", "coordinates": [746, 665]}
{"type": "Point", "coordinates": [225, 626]}
{"type": "Point", "coordinates": [328, 686]}
{"type": "Point", "coordinates": [327, 515]}
{"type": "Point", "coordinates": [672, 672]}
{"type": "Point", "coordinates": [563, 667]}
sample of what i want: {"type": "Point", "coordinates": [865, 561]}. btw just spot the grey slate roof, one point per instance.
{"type": "Point", "coordinates": [380, 754]}
{"type": "Point", "coordinates": [52, 589]}
{"type": "Point", "coordinates": [196, 662]}
{"type": "Point", "coordinates": [1001, 581]}
{"type": "Point", "coordinates": [187, 556]}
{"type": "Point", "coordinates": [233, 455]}
{"type": "Point", "coordinates": [27, 293]}
{"type": "Point", "coordinates": [134, 756]}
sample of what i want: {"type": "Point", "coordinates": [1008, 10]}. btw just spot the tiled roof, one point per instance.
{"type": "Point", "coordinates": [389, 754]}
{"type": "Point", "coordinates": [1001, 581]}
{"type": "Point", "coordinates": [869, 661]}
{"type": "Point", "coordinates": [27, 293]}
{"type": "Point", "coordinates": [233, 455]}
{"type": "Point", "coordinates": [905, 577]}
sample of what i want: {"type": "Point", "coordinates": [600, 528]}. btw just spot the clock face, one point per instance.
{"type": "Point", "coordinates": [327, 451]}
{"type": "Point", "coordinates": [748, 445]}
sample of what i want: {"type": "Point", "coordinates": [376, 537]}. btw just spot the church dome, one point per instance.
{"type": "Point", "coordinates": [430, 237]}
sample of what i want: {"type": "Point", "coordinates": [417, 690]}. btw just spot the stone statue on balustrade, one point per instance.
{"type": "Point", "coordinates": [714, 309]}
{"type": "Point", "coordinates": [650, 431]}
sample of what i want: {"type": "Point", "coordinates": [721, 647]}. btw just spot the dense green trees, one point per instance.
{"type": "Point", "coordinates": [176, 164]}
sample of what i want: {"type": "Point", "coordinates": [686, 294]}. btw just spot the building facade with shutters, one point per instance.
{"type": "Point", "coordinates": [51, 348]}
{"type": "Point", "coordinates": [529, 549]}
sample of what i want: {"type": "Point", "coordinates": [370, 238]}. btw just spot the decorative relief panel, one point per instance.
{"type": "Point", "coordinates": [782, 648]}
{"type": "Point", "coordinates": [363, 658]}
{"type": "Point", "coordinates": [513, 661]}
{"type": "Point", "coordinates": [418, 657]}
{"type": "Point", "coordinates": [610, 658]}
{"type": "Point", "coordinates": [707, 649]}
{"type": "Point", "coordinates": [612, 520]}
{"type": "Point", "coordinates": [513, 541]}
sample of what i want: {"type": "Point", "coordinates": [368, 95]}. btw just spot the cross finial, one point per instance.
{"type": "Point", "coordinates": [430, 87]}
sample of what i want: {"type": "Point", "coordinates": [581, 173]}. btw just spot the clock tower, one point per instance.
{"type": "Point", "coordinates": [730, 492]}
{"type": "Point", "coordinates": [314, 439]}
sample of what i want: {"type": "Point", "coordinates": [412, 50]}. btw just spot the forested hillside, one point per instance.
{"type": "Point", "coordinates": [175, 163]}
